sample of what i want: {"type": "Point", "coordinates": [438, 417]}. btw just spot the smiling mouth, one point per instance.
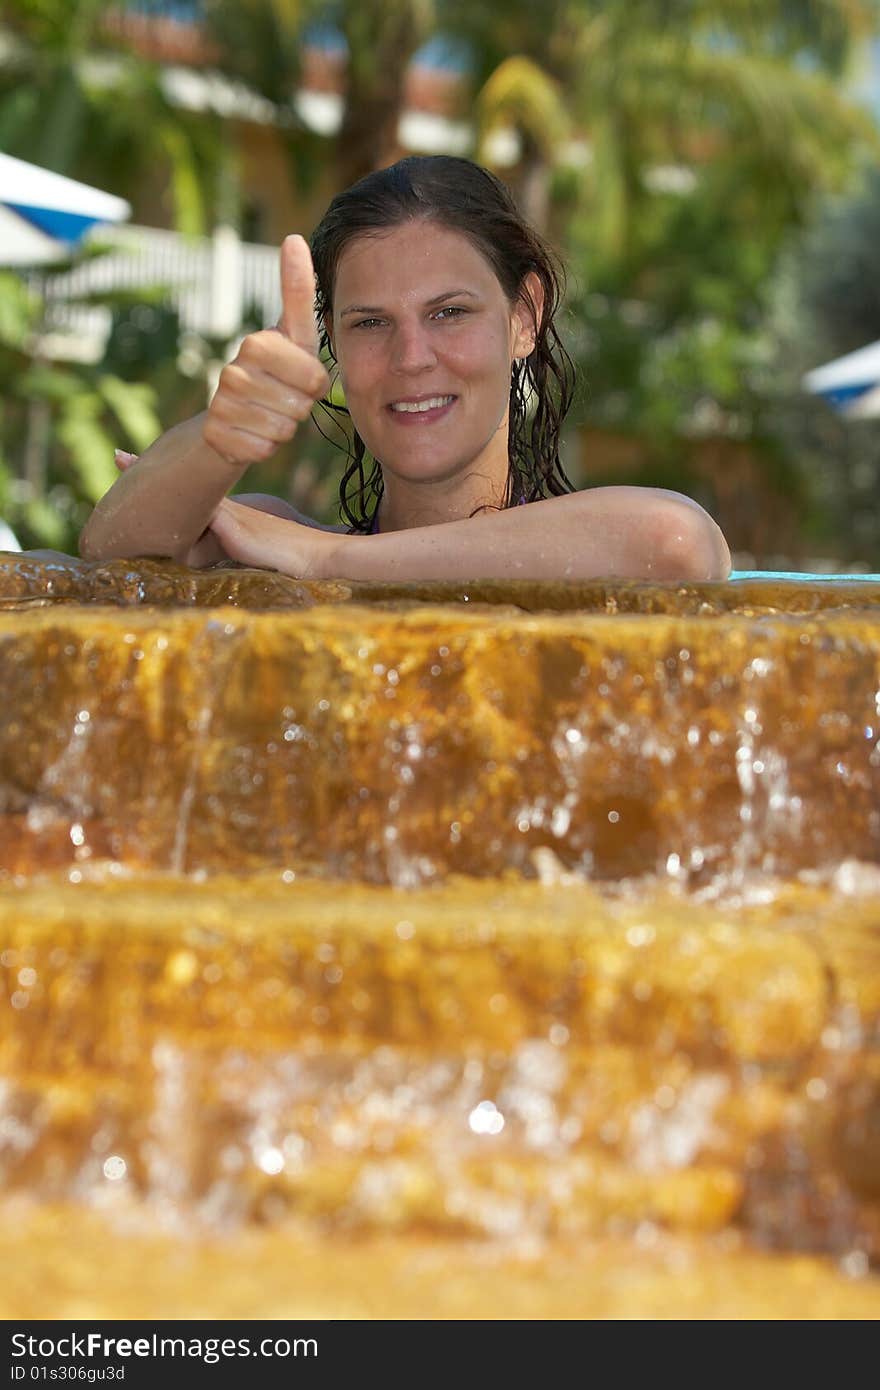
{"type": "Point", "coordinates": [421, 407]}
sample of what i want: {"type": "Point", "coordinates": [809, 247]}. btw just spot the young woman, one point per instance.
{"type": "Point", "coordinates": [435, 305]}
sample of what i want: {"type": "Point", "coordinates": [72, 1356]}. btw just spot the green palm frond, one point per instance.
{"type": "Point", "coordinates": [739, 95]}
{"type": "Point", "coordinates": [520, 94]}
{"type": "Point", "coordinates": [134, 405]}
{"type": "Point", "coordinates": [789, 132]}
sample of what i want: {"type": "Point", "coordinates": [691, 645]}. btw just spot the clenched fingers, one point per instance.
{"type": "Point", "coordinates": [267, 424]}
{"type": "Point", "coordinates": [262, 396]}
{"type": "Point", "coordinates": [237, 445]}
{"type": "Point", "coordinates": [239, 389]}
{"type": "Point", "coordinates": [274, 354]}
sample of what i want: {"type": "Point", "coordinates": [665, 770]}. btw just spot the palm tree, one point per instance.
{"type": "Point", "coordinates": [383, 36]}
{"type": "Point", "coordinates": [76, 99]}
{"type": "Point", "coordinates": [658, 83]}
{"type": "Point", "coordinates": [711, 129]}
{"type": "Point", "coordinates": [261, 42]}
{"type": "Point", "coordinates": [523, 98]}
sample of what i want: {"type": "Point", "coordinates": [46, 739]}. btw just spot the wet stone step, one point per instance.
{"type": "Point", "coordinates": [479, 1059]}
{"type": "Point", "coordinates": [403, 747]}
{"type": "Point", "coordinates": [126, 1261]}
{"type": "Point", "coordinates": [533, 929]}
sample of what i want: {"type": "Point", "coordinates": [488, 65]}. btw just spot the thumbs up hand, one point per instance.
{"type": "Point", "coordinates": [273, 382]}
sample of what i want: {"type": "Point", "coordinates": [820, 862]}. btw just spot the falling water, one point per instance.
{"type": "Point", "coordinates": [537, 931]}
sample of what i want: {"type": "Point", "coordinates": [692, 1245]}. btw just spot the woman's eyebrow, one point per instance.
{"type": "Point", "coordinates": [377, 309]}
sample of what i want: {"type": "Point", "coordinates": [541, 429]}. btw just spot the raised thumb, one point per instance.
{"type": "Point", "coordinates": [297, 320]}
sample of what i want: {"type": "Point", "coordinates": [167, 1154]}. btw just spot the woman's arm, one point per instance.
{"type": "Point", "coordinates": [602, 533]}
{"type": "Point", "coordinates": [165, 504]}
{"type": "Point", "coordinates": [207, 549]}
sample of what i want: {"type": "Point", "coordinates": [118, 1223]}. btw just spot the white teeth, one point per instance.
{"type": "Point", "coordinates": [417, 407]}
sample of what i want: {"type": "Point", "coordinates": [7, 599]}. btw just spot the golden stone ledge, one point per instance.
{"type": "Point", "coordinates": [403, 747]}
{"type": "Point", "coordinates": [255, 1049]}
{"type": "Point", "coordinates": [76, 1264]}
{"type": "Point", "coordinates": [28, 580]}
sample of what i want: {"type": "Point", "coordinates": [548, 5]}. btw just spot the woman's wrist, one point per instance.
{"type": "Point", "coordinates": [329, 552]}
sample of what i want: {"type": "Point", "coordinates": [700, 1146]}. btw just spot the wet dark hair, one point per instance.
{"type": "Point", "coordinates": [463, 197]}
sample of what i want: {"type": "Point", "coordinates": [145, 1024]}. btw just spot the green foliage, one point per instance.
{"type": "Point", "coordinates": [259, 40]}
{"type": "Point", "coordinates": [712, 142]}
{"type": "Point", "coordinates": [75, 99]}
{"type": "Point", "coordinates": [133, 404]}
{"type": "Point", "coordinates": [826, 302]}
{"type": "Point", "coordinates": [59, 426]}
{"type": "Point", "coordinates": [41, 525]}
{"type": "Point", "coordinates": [17, 310]}
{"type": "Point", "coordinates": [81, 431]}
{"type": "Point", "coordinates": [521, 94]}
{"type": "Point", "coordinates": [838, 269]}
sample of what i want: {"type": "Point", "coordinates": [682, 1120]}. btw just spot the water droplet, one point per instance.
{"type": "Point", "coordinates": [640, 935]}
{"type": "Point", "coordinates": [855, 1264]}
{"type": "Point", "coordinates": [485, 1118]}
{"type": "Point", "coordinates": [271, 1161]}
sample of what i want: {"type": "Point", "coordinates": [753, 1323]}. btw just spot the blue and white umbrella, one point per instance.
{"type": "Point", "coordinates": [851, 384]}
{"type": "Point", "coordinates": [44, 215]}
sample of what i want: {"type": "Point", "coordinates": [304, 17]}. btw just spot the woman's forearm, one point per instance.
{"type": "Point", "coordinates": [607, 533]}
{"type": "Point", "coordinates": [164, 504]}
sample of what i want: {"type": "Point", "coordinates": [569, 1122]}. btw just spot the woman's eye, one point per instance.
{"type": "Point", "coordinates": [452, 311]}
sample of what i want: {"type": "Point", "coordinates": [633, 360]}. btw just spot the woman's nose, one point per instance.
{"type": "Point", "coordinates": [412, 349]}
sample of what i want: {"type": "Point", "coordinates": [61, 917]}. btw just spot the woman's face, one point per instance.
{"type": "Point", "coordinates": [425, 339]}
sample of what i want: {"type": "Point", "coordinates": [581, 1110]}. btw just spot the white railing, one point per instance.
{"type": "Point", "coordinates": [210, 281]}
